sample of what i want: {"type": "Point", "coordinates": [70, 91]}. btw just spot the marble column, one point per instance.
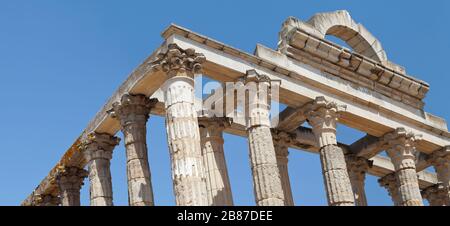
{"type": "Point", "coordinates": [281, 142]}
{"type": "Point", "coordinates": [390, 183]}
{"type": "Point", "coordinates": [188, 172]}
{"type": "Point", "coordinates": [357, 168]}
{"type": "Point", "coordinates": [401, 149]}
{"type": "Point", "coordinates": [323, 115]}
{"type": "Point", "coordinates": [217, 181]}
{"type": "Point", "coordinates": [69, 180]}
{"type": "Point", "coordinates": [266, 176]}
{"type": "Point", "coordinates": [441, 162]}
{"type": "Point", "coordinates": [46, 200]}
{"type": "Point", "coordinates": [97, 150]}
{"type": "Point", "coordinates": [437, 195]}
{"type": "Point", "coordinates": [133, 112]}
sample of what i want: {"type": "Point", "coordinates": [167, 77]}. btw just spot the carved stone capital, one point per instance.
{"type": "Point", "coordinates": [437, 195]}
{"type": "Point", "coordinates": [441, 158]}
{"type": "Point", "coordinates": [132, 108]}
{"type": "Point", "coordinates": [99, 146]}
{"type": "Point", "coordinates": [323, 115]}
{"type": "Point", "coordinates": [257, 89]}
{"type": "Point", "coordinates": [179, 62]}
{"type": "Point", "coordinates": [281, 138]}
{"type": "Point", "coordinates": [253, 76]}
{"type": "Point", "coordinates": [357, 166]}
{"type": "Point", "coordinates": [401, 148]}
{"type": "Point", "coordinates": [70, 178]}
{"type": "Point", "coordinates": [45, 200]}
{"type": "Point", "coordinates": [212, 127]}
{"type": "Point", "coordinates": [389, 182]}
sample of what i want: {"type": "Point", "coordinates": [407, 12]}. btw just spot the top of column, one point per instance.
{"type": "Point", "coordinates": [401, 146]}
{"type": "Point", "coordinates": [180, 62]}
{"type": "Point", "coordinates": [323, 115]}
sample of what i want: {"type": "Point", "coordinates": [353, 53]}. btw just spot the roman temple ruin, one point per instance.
{"type": "Point", "coordinates": [321, 83]}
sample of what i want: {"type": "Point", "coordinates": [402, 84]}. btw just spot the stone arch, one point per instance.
{"type": "Point", "coordinates": [341, 25]}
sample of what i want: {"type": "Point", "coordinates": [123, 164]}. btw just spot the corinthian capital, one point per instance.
{"type": "Point", "coordinates": [389, 182]}
{"type": "Point", "coordinates": [70, 178]}
{"type": "Point", "coordinates": [179, 62]}
{"type": "Point", "coordinates": [358, 165]}
{"type": "Point", "coordinates": [45, 200]}
{"type": "Point", "coordinates": [437, 195]}
{"type": "Point", "coordinates": [323, 116]}
{"type": "Point", "coordinates": [401, 148]}
{"type": "Point", "coordinates": [132, 107]}
{"type": "Point", "coordinates": [281, 138]}
{"type": "Point", "coordinates": [99, 146]}
{"type": "Point", "coordinates": [441, 158]}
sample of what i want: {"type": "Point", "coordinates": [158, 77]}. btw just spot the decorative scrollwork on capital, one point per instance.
{"type": "Point", "coordinates": [131, 106]}
{"type": "Point", "coordinates": [401, 147]}
{"type": "Point", "coordinates": [323, 116]}
{"type": "Point", "coordinates": [440, 158]}
{"type": "Point", "coordinates": [98, 146]}
{"type": "Point", "coordinates": [281, 137]}
{"type": "Point", "coordinates": [357, 166]}
{"type": "Point", "coordinates": [45, 200]}
{"type": "Point", "coordinates": [176, 61]}
{"type": "Point", "coordinates": [70, 177]}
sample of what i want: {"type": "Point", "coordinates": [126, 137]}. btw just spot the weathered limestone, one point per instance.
{"type": "Point", "coordinates": [70, 180]}
{"type": "Point", "coordinates": [402, 151]}
{"type": "Point", "coordinates": [98, 149]}
{"type": "Point", "coordinates": [390, 183]}
{"type": "Point", "coordinates": [266, 176]}
{"type": "Point", "coordinates": [281, 142]}
{"type": "Point", "coordinates": [217, 181]}
{"type": "Point", "coordinates": [441, 162]}
{"type": "Point", "coordinates": [46, 200]}
{"type": "Point", "coordinates": [357, 168]}
{"type": "Point", "coordinates": [323, 115]}
{"type": "Point", "coordinates": [379, 94]}
{"type": "Point", "coordinates": [437, 195]}
{"type": "Point", "coordinates": [133, 112]}
{"type": "Point", "coordinates": [183, 136]}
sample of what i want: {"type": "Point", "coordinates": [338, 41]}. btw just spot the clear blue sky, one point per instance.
{"type": "Point", "coordinates": [61, 60]}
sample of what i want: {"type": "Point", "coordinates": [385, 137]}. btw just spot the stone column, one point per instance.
{"type": "Point", "coordinates": [266, 176]}
{"type": "Point", "coordinates": [46, 200]}
{"type": "Point", "coordinates": [323, 115]}
{"type": "Point", "coordinates": [437, 195]}
{"type": "Point", "coordinates": [357, 168]}
{"type": "Point", "coordinates": [217, 181]}
{"type": "Point", "coordinates": [97, 150]}
{"type": "Point", "coordinates": [281, 142]}
{"type": "Point", "coordinates": [69, 180]}
{"type": "Point", "coordinates": [390, 183]}
{"type": "Point", "coordinates": [188, 172]}
{"type": "Point", "coordinates": [441, 162]}
{"type": "Point", "coordinates": [401, 149]}
{"type": "Point", "coordinates": [133, 112]}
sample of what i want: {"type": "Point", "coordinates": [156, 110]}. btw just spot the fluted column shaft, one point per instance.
{"type": "Point", "coordinates": [70, 180]}
{"type": "Point", "coordinates": [323, 116]}
{"type": "Point", "coordinates": [390, 183]}
{"type": "Point", "coordinates": [401, 149]}
{"type": "Point", "coordinates": [266, 176]}
{"type": "Point", "coordinates": [441, 162]}
{"type": "Point", "coordinates": [217, 180]}
{"type": "Point", "coordinates": [98, 149]}
{"type": "Point", "coordinates": [281, 141]}
{"type": "Point", "coordinates": [133, 112]}
{"type": "Point", "coordinates": [357, 168]}
{"type": "Point", "coordinates": [188, 172]}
